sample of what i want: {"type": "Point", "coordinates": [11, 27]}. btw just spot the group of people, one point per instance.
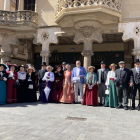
{"type": "Point", "coordinates": [63, 84]}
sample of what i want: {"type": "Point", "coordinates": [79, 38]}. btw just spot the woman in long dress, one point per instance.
{"type": "Point", "coordinates": [21, 90]}
{"type": "Point", "coordinates": [12, 78]}
{"type": "Point", "coordinates": [3, 79]}
{"type": "Point", "coordinates": [49, 78]}
{"type": "Point", "coordinates": [111, 99]}
{"type": "Point", "coordinates": [91, 96]}
{"type": "Point", "coordinates": [31, 88]}
{"type": "Point", "coordinates": [67, 95]}
{"type": "Point", "coordinates": [58, 84]}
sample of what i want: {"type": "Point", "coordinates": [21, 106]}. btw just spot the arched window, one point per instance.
{"type": "Point", "coordinates": [29, 5]}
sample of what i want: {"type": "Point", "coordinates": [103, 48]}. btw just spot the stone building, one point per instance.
{"type": "Point", "coordinates": [32, 31]}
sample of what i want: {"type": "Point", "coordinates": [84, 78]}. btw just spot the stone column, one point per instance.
{"type": "Point", "coordinates": [45, 56]}
{"type": "Point", "coordinates": [87, 58]}
{"type": "Point", "coordinates": [21, 5]}
{"type": "Point", "coordinates": [46, 37]}
{"type": "Point", "coordinates": [7, 5]}
{"type": "Point", "coordinates": [36, 2]}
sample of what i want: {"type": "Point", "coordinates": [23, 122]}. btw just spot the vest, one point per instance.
{"type": "Point", "coordinates": [138, 78]}
{"type": "Point", "coordinates": [102, 77]}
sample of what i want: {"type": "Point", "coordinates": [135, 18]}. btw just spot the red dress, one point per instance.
{"type": "Point", "coordinates": [58, 86]}
{"type": "Point", "coordinates": [11, 92]}
{"type": "Point", "coordinates": [90, 96]}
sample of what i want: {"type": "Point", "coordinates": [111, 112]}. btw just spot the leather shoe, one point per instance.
{"type": "Point", "coordinates": [133, 108]}
{"type": "Point", "coordinates": [126, 108]}
{"type": "Point", "coordinates": [100, 104]}
{"type": "Point", "coordinates": [138, 108]}
{"type": "Point", "coordinates": [118, 107]}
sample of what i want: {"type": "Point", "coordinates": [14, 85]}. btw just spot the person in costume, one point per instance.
{"type": "Point", "coordinates": [135, 82]}
{"type": "Point", "coordinates": [21, 90]}
{"type": "Point", "coordinates": [41, 83]}
{"type": "Point", "coordinates": [7, 63]}
{"type": "Point", "coordinates": [77, 77]}
{"type": "Point", "coordinates": [91, 96]}
{"type": "Point", "coordinates": [67, 95]}
{"type": "Point", "coordinates": [3, 79]}
{"type": "Point", "coordinates": [12, 78]}
{"type": "Point", "coordinates": [49, 78]}
{"type": "Point", "coordinates": [31, 88]}
{"type": "Point", "coordinates": [64, 66]}
{"type": "Point", "coordinates": [122, 77]}
{"type": "Point", "coordinates": [58, 84]}
{"type": "Point", "coordinates": [111, 99]}
{"type": "Point", "coordinates": [102, 76]}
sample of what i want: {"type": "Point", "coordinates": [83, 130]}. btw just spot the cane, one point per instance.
{"type": "Point", "coordinates": [131, 93]}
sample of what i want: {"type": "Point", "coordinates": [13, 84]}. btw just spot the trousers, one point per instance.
{"type": "Point", "coordinates": [80, 87]}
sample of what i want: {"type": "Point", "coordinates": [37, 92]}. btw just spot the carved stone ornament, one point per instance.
{"type": "Point", "coordinates": [45, 36]}
{"type": "Point", "coordinates": [136, 52]}
{"type": "Point", "coordinates": [86, 53]}
{"type": "Point", "coordinates": [137, 30]}
{"type": "Point", "coordinates": [45, 54]}
{"type": "Point", "coordinates": [87, 31]}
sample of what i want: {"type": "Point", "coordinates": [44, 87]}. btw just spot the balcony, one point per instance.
{"type": "Point", "coordinates": [18, 20]}
{"type": "Point", "coordinates": [70, 11]}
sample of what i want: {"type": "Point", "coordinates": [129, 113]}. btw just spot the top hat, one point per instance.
{"type": "Point", "coordinates": [7, 61]}
{"type": "Point", "coordinates": [103, 62]}
{"type": "Point", "coordinates": [44, 64]}
{"type": "Point", "coordinates": [121, 62]}
{"type": "Point", "coordinates": [136, 60]}
{"type": "Point", "coordinates": [3, 66]}
{"type": "Point", "coordinates": [64, 63]}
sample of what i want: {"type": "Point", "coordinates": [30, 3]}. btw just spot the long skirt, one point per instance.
{"type": "Point", "coordinates": [111, 100]}
{"type": "Point", "coordinates": [31, 93]}
{"type": "Point", "coordinates": [11, 92]}
{"type": "Point", "coordinates": [43, 97]}
{"type": "Point", "coordinates": [2, 92]}
{"type": "Point", "coordinates": [90, 96]}
{"type": "Point", "coordinates": [67, 95]}
{"type": "Point", "coordinates": [21, 92]}
{"type": "Point", "coordinates": [57, 90]}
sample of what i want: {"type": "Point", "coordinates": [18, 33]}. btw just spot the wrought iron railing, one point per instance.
{"type": "Point", "coordinates": [63, 5]}
{"type": "Point", "coordinates": [8, 17]}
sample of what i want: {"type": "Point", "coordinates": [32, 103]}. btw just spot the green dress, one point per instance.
{"type": "Point", "coordinates": [111, 100]}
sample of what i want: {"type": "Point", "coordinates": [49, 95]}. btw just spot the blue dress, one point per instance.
{"type": "Point", "coordinates": [3, 95]}
{"type": "Point", "coordinates": [50, 77]}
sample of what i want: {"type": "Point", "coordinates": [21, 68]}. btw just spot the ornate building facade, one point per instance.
{"type": "Point", "coordinates": [33, 31]}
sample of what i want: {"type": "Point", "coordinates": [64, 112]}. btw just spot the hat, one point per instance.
{"type": "Point", "coordinates": [112, 65]}
{"type": "Point", "coordinates": [44, 64]}
{"type": "Point", "coordinates": [136, 60]}
{"type": "Point", "coordinates": [91, 67]}
{"type": "Point", "coordinates": [14, 65]}
{"type": "Point", "coordinates": [58, 66]}
{"type": "Point", "coordinates": [21, 66]}
{"type": "Point", "coordinates": [3, 66]}
{"type": "Point", "coordinates": [64, 63]}
{"type": "Point", "coordinates": [121, 62]}
{"type": "Point", "coordinates": [49, 66]}
{"type": "Point", "coordinates": [7, 61]}
{"type": "Point", "coordinates": [30, 68]}
{"type": "Point", "coordinates": [103, 62]}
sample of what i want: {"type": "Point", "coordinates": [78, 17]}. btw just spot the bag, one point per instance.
{"type": "Point", "coordinates": [76, 80]}
{"type": "Point", "coordinates": [16, 85]}
{"type": "Point", "coordinates": [47, 92]}
{"type": "Point", "coordinates": [30, 86]}
{"type": "Point", "coordinates": [107, 92]}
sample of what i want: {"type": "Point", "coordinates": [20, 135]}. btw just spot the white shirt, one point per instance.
{"type": "Point", "coordinates": [137, 69]}
{"type": "Point", "coordinates": [51, 77]}
{"type": "Point", "coordinates": [77, 72]}
{"type": "Point", "coordinates": [102, 69]}
{"type": "Point", "coordinates": [21, 76]}
{"type": "Point", "coordinates": [111, 74]}
{"type": "Point", "coordinates": [7, 69]}
{"type": "Point", "coordinates": [121, 68]}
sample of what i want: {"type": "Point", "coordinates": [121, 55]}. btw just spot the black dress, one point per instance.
{"type": "Point", "coordinates": [31, 88]}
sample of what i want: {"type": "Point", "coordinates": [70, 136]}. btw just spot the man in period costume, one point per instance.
{"type": "Point", "coordinates": [64, 66]}
{"type": "Point", "coordinates": [7, 62]}
{"type": "Point", "coordinates": [102, 76]}
{"type": "Point", "coordinates": [77, 78]}
{"type": "Point", "coordinates": [122, 77]}
{"type": "Point", "coordinates": [135, 82]}
{"type": "Point", "coordinates": [41, 74]}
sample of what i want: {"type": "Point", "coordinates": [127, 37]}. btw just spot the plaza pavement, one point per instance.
{"type": "Point", "coordinates": [38, 121]}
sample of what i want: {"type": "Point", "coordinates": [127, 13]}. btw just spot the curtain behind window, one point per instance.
{"type": "Point", "coordinates": [29, 5]}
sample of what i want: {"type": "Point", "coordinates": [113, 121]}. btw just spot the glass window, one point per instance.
{"type": "Point", "coordinates": [29, 5]}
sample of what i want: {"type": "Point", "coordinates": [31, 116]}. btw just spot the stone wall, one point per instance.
{"type": "Point", "coordinates": [1, 4]}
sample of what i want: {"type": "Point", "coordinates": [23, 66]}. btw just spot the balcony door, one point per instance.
{"type": "Point", "coordinates": [29, 5]}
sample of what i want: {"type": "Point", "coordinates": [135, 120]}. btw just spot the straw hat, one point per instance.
{"type": "Point", "coordinates": [112, 65]}
{"type": "Point", "coordinates": [49, 67]}
{"type": "Point", "coordinates": [91, 67]}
